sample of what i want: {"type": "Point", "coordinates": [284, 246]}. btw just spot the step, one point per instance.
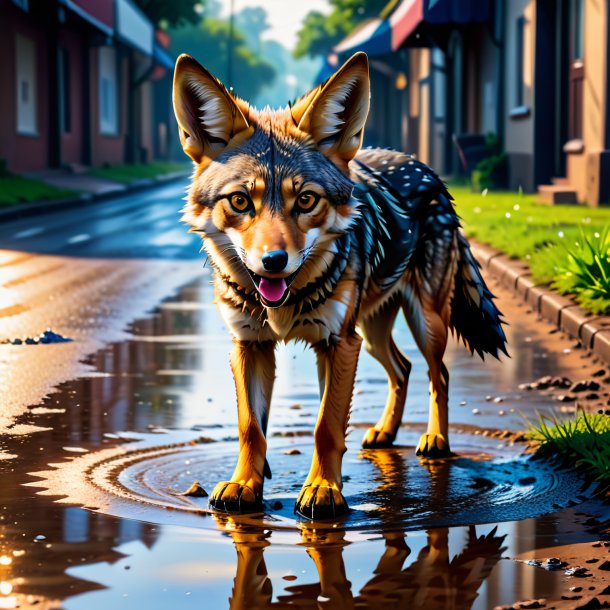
{"type": "Point", "coordinates": [560, 181]}
{"type": "Point", "coordinates": [553, 193]}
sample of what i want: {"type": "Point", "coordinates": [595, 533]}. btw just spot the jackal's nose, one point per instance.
{"type": "Point", "coordinates": [275, 261]}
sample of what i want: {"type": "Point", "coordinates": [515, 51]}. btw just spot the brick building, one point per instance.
{"type": "Point", "coordinates": [81, 84]}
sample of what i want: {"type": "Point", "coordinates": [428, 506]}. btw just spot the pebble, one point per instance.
{"type": "Point", "coordinates": [292, 452]}
{"type": "Point", "coordinates": [48, 336]}
{"type": "Point", "coordinates": [195, 491]}
{"type": "Point", "coordinates": [476, 412]}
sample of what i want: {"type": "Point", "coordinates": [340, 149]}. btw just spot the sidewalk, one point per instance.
{"type": "Point", "coordinates": [87, 188]}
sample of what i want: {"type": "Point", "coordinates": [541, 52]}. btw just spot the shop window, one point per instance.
{"type": "Point", "coordinates": [108, 92]}
{"type": "Point", "coordinates": [64, 91]}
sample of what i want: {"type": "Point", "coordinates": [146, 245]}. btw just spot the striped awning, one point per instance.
{"type": "Point", "coordinates": [384, 35]}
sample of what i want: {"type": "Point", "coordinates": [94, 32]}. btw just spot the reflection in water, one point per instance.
{"type": "Point", "coordinates": [435, 579]}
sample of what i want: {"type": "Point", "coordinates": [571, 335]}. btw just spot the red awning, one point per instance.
{"type": "Point", "coordinates": [99, 13]}
{"type": "Point", "coordinates": [403, 21]}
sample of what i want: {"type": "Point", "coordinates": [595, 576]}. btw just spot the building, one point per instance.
{"type": "Point", "coordinates": [535, 73]}
{"type": "Point", "coordinates": [79, 81]}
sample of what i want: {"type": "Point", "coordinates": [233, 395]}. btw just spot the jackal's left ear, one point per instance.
{"type": "Point", "coordinates": [208, 116]}
{"type": "Point", "coordinates": [336, 115]}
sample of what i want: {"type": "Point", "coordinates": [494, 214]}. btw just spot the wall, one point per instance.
{"type": "Point", "coordinates": [21, 152]}
{"type": "Point", "coordinates": [519, 131]}
{"type": "Point", "coordinates": [589, 171]}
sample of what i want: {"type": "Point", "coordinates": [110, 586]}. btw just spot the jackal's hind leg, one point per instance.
{"type": "Point", "coordinates": [377, 331]}
{"type": "Point", "coordinates": [253, 365]}
{"type": "Point", "coordinates": [429, 330]}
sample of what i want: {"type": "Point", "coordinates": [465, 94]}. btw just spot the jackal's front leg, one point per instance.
{"type": "Point", "coordinates": [253, 365]}
{"type": "Point", "coordinates": [321, 496]}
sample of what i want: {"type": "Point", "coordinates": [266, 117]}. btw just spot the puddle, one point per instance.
{"type": "Point", "coordinates": [119, 441]}
{"type": "Point", "coordinates": [387, 490]}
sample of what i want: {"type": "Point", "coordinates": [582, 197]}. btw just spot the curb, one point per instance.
{"type": "Point", "coordinates": [25, 210]}
{"type": "Point", "coordinates": [590, 330]}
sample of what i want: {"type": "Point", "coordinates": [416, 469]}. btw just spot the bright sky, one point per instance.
{"type": "Point", "coordinates": [285, 16]}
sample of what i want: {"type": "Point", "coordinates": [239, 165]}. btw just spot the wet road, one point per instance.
{"type": "Point", "coordinates": [139, 225]}
{"type": "Point", "coordinates": [163, 380]}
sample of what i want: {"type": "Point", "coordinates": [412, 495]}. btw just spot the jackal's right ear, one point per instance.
{"type": "Point", "coordinates": [208, 116]}
{"type": "Point", "coordinates": [334, 114]}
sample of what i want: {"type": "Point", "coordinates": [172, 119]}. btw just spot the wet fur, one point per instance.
{"type": "Point", "coordinates": [384, 238]}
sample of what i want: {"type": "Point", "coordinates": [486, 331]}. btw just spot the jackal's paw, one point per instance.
{"type": "Point", "coordinates": [433, 446]}
{"type": "Point", "coordinates": [229, 497]}
{"type": "Point", "coordinates": [374, 438]}
{"type": "Point", "coordinates": [320, 502]}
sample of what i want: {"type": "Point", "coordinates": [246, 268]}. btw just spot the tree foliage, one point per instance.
{"type": "Point", "coordinates": [210, 43]}
{"type": "Point", "coordinates": [173, 13]}
{"type": "Point", "coordinates": [319, 32]}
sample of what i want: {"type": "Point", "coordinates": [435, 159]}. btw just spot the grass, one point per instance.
{"type": "Point", "coordinates": [14, 190]}
{"type": "Point", "coordinates": [137, 171]}
{"type": "Point", "coordinates": [582, 442]}
{"type": "Point", "coordinates": [548, 238]}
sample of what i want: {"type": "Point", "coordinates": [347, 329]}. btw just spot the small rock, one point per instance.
{"type": "Point", "coordinates": [277, 505]}
{"type": "Point", "coordinates": [195, 491]}
{"type": "Point", "coordinates": [592, 396]}
{"type": "Point", "coordinates": [565, 398]}
{"type": "Point", "coordinates": [585, 386]}
{"type": "Point", "coordinates": [289, 577]}
{"type": "Point", "coordinates": [605, 566]}
{"type": "Point", "coordinates": [292, 452]}
{"type": "Point", "coordinates": [576, 589]}
{"type": "Point", "coordinates": [599, 373]}
{"type": "Point", "coordinates": [578, 572]}
{"type": "Point", "coordinates": [295, 407]}
{"type": "Point", "coordinates": [463, 403]}
{"type": "Point", "coordinates": [476, 412]}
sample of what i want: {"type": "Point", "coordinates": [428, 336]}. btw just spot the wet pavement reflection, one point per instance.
{"type": "Point", "coordinates": [172, 381]}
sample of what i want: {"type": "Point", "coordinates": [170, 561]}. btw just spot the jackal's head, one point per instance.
{"type": "Point", "coordinates": [271, 190]}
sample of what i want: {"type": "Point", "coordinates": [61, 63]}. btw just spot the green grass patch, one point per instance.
{"type": "Point", "coordinates": [137, 171]}
{"type": "Point", "coordinates": [546, 237]}
{"type": "Point", "coordinates": [14, 190]}
{"type": "Point", "coordinates": [582, 442]}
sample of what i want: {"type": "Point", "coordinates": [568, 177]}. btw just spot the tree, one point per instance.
{"type": "Point", "coordinates": [209, 41]}
{"type": "Point", "coordinates": [252, 23]}
{"type": "Point", "coordinates": [319, 32]}
{"type": "Point", "coordinates": [173, 13]}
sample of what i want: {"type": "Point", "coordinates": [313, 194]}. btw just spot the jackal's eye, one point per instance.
{"type": "Point", "coordinates": [240, 202]}
{"type": "Point", "coordinates": [307, 201]}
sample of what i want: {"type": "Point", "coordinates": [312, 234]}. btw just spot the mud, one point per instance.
{"type": "Point", "coordinates": [156, 412]}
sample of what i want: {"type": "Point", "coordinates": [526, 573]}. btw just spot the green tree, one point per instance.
{"type": "Point", "coordinates": [252, 23]}
{"type": "Point", "coordinates": [209, 43]}
{"type": "Point", "coordinates": [319, 32]}
{"type": "Point", "coordinates": [172, 13]}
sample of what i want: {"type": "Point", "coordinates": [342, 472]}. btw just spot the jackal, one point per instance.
{"type": "Point", "coordinates": [311, 238]}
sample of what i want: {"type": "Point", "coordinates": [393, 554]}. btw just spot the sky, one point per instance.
{"type": "Point", "coordinates": [285, 16]}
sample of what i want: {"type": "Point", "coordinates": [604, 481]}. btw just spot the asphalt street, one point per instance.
{"type": "Point", "coordinates": [143, 224]}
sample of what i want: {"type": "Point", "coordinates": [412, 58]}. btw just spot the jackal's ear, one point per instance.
{"type": "Point", "coordinates": [336, 114]}
{"type": "Point", "coordinates": [208, 116]}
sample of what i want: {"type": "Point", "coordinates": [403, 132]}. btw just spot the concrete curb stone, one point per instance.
{"type": "Point", "coordinates": [592, 331]}
{"type": "Point", "coordinates": [25, 210]}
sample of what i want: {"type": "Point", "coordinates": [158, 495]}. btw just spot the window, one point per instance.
{"type": "Point", "coordinates": [64, 91]}
{"type": "Point", "coordinates": [577, 70]}
{"type": "Point", "coordinates": [519, 61]}
{"type": "Point", "coordinates": [108, 92]}
{"type": "Point", "coordinates": [26, 86]}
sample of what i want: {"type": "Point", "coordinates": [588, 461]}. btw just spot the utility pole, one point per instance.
{"type": "Point", "coordinates": [230, 46]}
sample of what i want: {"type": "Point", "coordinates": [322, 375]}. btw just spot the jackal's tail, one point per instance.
{"type": "Point", "coordinates": [474, 316]}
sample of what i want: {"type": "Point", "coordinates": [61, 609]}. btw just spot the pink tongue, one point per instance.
{"type": "Point", "coordinates": [272, 289]}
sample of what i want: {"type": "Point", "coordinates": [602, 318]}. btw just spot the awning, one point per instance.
{"type": "Point", "coordinates": [373, 37]}
{"type": "Point", "coordinates": [99, 14]}
{"type": "Point", "coordinates": [162, 57]}
{"type": "Point", "coordinates": [133, 27]}
{"type": "Point", "coordinates": [381, 36]}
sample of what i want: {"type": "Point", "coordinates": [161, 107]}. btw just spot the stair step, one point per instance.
{"type": "Point", "coordinates": [555, 193]}
{"type": "Point", "coordinates": [560, 181]}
